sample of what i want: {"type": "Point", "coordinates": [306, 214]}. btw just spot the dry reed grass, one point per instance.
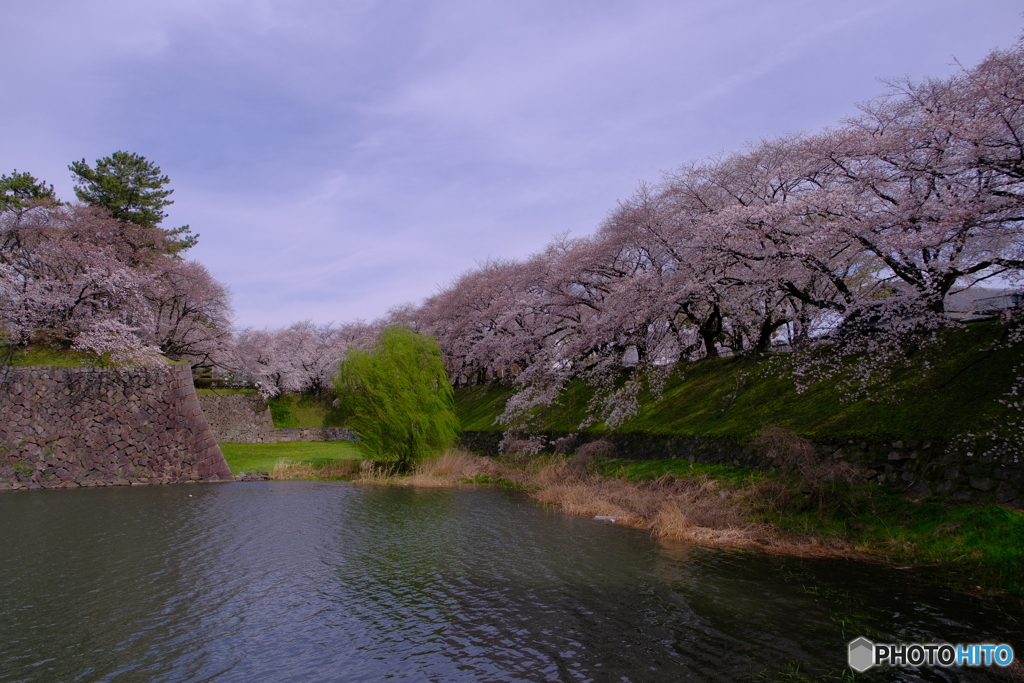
{"type": "Point", "coordinates": [298, 470]}
{"type": "Point", "coordinates": [692, 510]}
{"type": "Point", "coordinates": [602, 448]}
{"type": "Point", "coordinates": [695, 510]}
{"type": "Point", "coordinates": [790, 452]}
{"type": "Point", "coordinates": [371, 472]}
{"type": "Point", "coordinates": [452, 467]}
{"type": "Point", "coordinates": [1015, 672]}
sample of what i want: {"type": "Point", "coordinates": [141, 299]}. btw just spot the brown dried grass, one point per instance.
{"type": "Point", "coordinates": [1015, 672]}
{"type": "Point", "coordinates": [790, 452]}
{"type": "Point", "coordinates": [297, 470]}
{"type": "Point", "coordinates": [585, 460]}
{"type": "Point", "coordinates": [694, 510]}
{"type": "Point", "coordinates": [452, 467]}
{"type": "Point", "coordinates": [691, 510]}
{"type": "Point", "coordinates": [602, 448]}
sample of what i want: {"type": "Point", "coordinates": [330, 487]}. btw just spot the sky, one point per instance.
{"type": "Point", "coordinates": [341, 157]}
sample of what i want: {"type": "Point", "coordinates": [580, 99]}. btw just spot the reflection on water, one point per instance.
{"type": "Point", "coordinates": [304, 581]}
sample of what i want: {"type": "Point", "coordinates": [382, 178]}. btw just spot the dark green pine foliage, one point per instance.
{"type": "Point", "coordinates": [22, 191]}
{"type": "Point", "coordinates": [397, 397]}
{"type": "Point", "coordinates": [132, 189]}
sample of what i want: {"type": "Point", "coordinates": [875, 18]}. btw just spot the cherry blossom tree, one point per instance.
{"type": "Point", "coordinates": [67, 275]}
{"type": "Point", "coordinates": [191, 311]}
{"type": "Point", "coordinates": [843, 244]}
{"type": "Point", "coordinates": [300, 358]}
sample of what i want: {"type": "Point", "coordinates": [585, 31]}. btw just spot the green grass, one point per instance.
{"type": "Point", "coordinates": [643, 470]}
{"type": "Point", "coordinates": [38, 355]}
{"type": "Point", "coordinates": [972, 545]}
{"type": "Point", "coordinates": [261, 457]}
{"type": "Point", "coordinates": [958, 393]}
{"type": "Point", "coordinates": [968, 545]}
{"type": "Point", "coordinates": [305, 410]}
{"type": "Point", "coordinates": [478, 406]}
{"type": "Point", "coordinates": [51, 356]}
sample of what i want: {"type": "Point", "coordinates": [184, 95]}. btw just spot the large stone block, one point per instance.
{"type": "Point", "coordinates": [101, 426]}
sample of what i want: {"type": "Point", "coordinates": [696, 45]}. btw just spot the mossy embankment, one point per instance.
{"type": "Point", "coordinates": [305, 411]}
{"type": "Point", "coordinates": [47, 355]}
{"type": "Point", "coordinates": [961, 544]}
{"type": "Point", "coordinates": [953, 391]}
{"type": "Point", "coordinates": [38, 355]}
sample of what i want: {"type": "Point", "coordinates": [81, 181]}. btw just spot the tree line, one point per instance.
{"type": "Point", "coordinates": [843, 244]}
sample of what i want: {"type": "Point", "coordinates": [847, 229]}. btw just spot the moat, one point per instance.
{"type": "Point", "coordinates": [311, 581]}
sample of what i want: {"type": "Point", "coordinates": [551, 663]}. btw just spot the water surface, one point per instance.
{"type": "Point", "coordinates": [309, 581]}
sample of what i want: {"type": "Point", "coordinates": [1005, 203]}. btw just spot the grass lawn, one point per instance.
{"type": "Point", "coordinates": [42, 355]}
{"type": "Point", "coordinates": [261, 457]}
{"type": "Point", "coordinates": [304, 410]}
{"type": "Point", "coordinates": [50, 356]}
{"type": "Point", "coordinates": [641, 470]}
{"type": "Point", "coordinates": [969, 545]}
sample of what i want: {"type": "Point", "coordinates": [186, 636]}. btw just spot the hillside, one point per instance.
{"type": "Point", "coordinates": [956, 393]}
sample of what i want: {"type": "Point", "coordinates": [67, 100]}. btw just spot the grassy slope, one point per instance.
{"type": "Point", "coordinates": [479, 406]}
{"type": "Point", "coordinates": [304, 410]}
{"type": "Point", "coordinates": [735, 397]}
{"type": "Point", "coordinates": [49, 356]}
{"type": "Point", "coordinates": [971, 545]}
{"type": "Point", "coordinates": [261, 457]}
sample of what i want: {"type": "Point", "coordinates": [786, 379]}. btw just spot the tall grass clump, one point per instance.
{"type": "Point", "coordinates": [397, 397]}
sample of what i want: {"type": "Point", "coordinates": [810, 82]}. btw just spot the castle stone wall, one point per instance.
{"type": "Point", "coordinates": [70, 427]}
{"type": "Point", "coordinates": [238, 418]}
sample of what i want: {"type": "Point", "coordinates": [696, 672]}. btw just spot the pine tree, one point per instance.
{"type": "Point", "coordinates": [132, 189]}
{"type": "Point", "coordinates": [23, 190]}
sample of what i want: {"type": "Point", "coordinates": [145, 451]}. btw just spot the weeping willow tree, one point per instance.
{"type": "Point", "coordinates": [397, 397]}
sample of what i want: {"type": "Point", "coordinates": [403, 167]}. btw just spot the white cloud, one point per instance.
{"type": "Point", "coordinates": [341, 158]}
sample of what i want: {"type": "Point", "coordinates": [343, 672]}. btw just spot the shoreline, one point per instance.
{"type": "Point", "coordinates": [699, 510]}
{"type": "Point", "coordinates": [811, 509]}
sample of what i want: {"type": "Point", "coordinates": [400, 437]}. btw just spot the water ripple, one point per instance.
{"type": "Point", "coordinates": [305, 581]}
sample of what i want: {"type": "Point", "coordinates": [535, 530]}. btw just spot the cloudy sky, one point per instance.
{"type": "Point", "coordinates": [339, 157]}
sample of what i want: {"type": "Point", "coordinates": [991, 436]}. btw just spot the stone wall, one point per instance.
{"type": "Point", "coordinates": [962, 471]}
{"type": "Point", "coordinates": [312, 434]}
{"type": "Point", "coordinates": [69, 427]}
{"type": "Point", "coordinates": [236, 418]}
